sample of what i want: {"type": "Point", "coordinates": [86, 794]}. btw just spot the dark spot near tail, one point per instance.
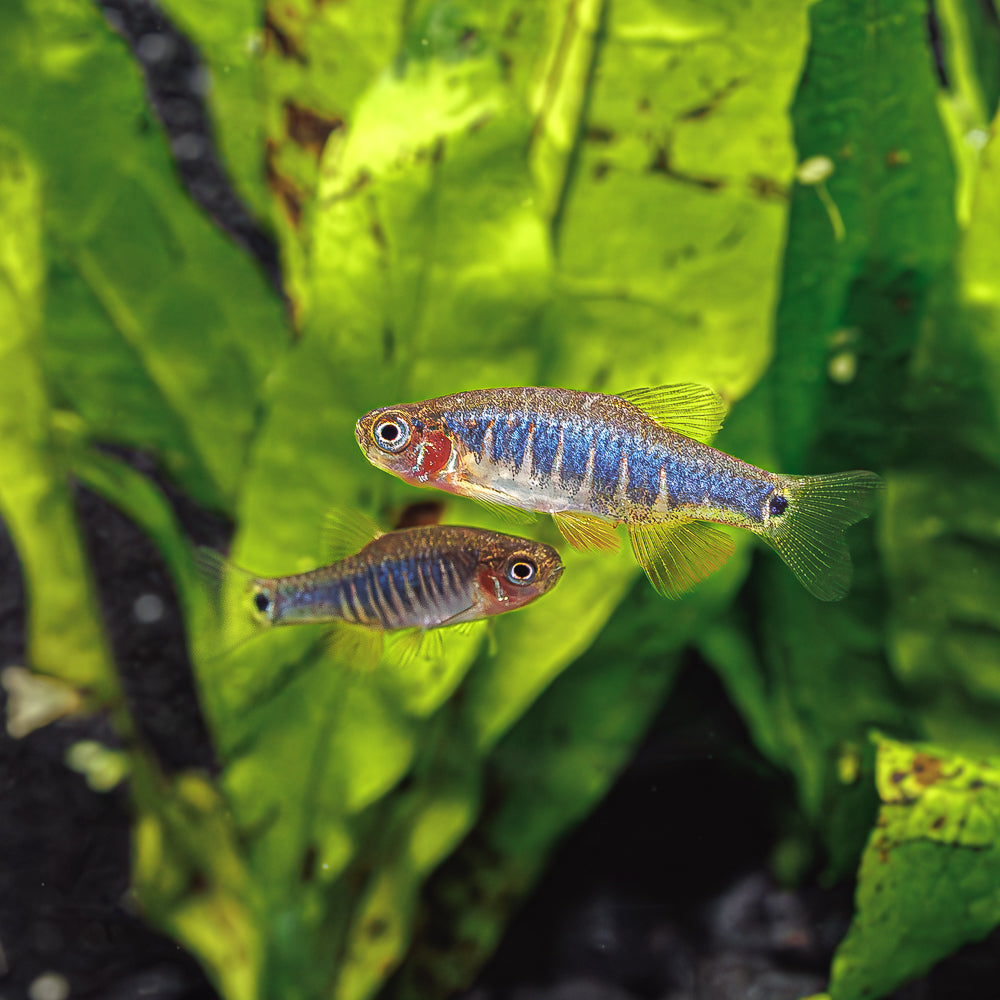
{"type": "Point", "coordinates": [778, 505]}
{"type": "Point", "coordinates": [261, 602]}
{"type": "Point", "coordinates": [416, 515]}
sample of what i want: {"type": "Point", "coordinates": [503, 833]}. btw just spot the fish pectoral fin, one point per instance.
{"type": "Point", "coordinates": [355, 647]}
{"type": "Point", "coordinates": [584, 531]}
{"type": "Point", "coordinates": [696, 411]}
{"type": "Point", "coordinates": [346, 531]}
{"type": "Point", "coordinates": [506, 513]}
{"type": "Point", "coordinates": [678, 554]}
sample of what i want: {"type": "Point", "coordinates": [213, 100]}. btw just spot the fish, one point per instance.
{"type": "Point", "coordinates": [642, 459]}
{"type": "Point", "coordinates": [415, 579]}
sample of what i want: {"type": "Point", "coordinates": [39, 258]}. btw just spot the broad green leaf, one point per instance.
{"type": "Point", "coordinates": [930, 874]}
{"type": "Point", "coordinates": [65, 637]}
{"type": "Point", "coordinates": [437, 263]}
{"type": "Point", "coordinates": [159, 331]}
{"type": "Point", "coordinates": [869, 235]}
{"type": "Point", "coordinates": [941, 533]}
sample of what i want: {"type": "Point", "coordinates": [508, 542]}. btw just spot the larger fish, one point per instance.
{"type": "Point", "coordinates": [640, 459]}
{"type": "Point", "coordinates": [418, 578]}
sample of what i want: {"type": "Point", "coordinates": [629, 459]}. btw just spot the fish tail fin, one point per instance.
{"type": "Point", "coordinates": [232, 592]}
{"type": "Point", "coordinates": [808, 531]}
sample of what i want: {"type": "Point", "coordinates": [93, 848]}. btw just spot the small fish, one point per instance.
{"type": "Point", "coordinates": [642, 459]}
{"type": "Point", "coordinates": [418, 579]}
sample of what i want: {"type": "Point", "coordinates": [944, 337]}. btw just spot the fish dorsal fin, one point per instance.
{"type": "Point", "coordinates": [355, 647]}
{"type": "Point", "coordinates": [346, 531]}
{"type": "Point", "coordinates": [679, 553]}
{"type": "Point", "coordinates": [583, 531]}
{"type": "Point", "coordinates": [696, 411]}
{"type": "Point", "coordinates": [506, 513]}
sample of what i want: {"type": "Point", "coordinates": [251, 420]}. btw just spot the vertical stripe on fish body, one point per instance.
{"type": "Point", "coordinates": [642, 459]}
{"type": "Point", "coordinates": [398, 581]}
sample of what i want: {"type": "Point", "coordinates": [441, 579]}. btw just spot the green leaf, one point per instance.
{"type": "Point", "coordinates": [171, 363]}
{"type": "Point", "coordinates": [941, 534]}
{"type": "Point", "coordinates": [65, 637]}
{"type": "Point", "coordinates": [929, 876]}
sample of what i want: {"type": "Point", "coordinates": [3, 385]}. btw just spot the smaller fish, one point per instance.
{"type": "Point", "coordinates": [416, 579]}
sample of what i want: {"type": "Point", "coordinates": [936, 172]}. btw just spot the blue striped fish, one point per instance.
{"type": "Point", "coordinates": [641, 459]}
{"type": "Point", "coordinates": [417, 578]}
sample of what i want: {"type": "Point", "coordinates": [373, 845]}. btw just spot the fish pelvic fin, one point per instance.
{"type": "Point", "coordinates": [677, 554]}
{"type": "Point", "coordinates": [808, 531]}
{"type": "Point", "coordinates": [696, 411]}
{"type": "Point", "coordinates": [346, 531]}
{"type": "Point", "coordinates": [583, 531]}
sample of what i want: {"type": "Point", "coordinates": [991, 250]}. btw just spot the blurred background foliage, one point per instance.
{"type": "Point", "coordinates": [797, 204]}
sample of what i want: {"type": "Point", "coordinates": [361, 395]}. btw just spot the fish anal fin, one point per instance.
{"type": "Point", "coordinates": [584, 531]}
{"type": "Point", "coordinates": [506, 513]}
{"type": "Point", "coordinates": [355, 647]}
{"type": "Point", "coordinates": [678, 554]}
{"type": "Point", "coordinates": [696, 411]}
{"type": "Point", "coordinates": [417, 644]}
{"type": "Point", "coordinates": [346, 531]}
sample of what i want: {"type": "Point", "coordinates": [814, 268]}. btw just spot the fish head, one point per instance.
{"type": "Point", "coordinates": [408, 440]}
{"type": "Point", "coordinates": [514, 572]}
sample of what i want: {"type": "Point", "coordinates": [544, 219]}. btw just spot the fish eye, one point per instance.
{"type": "Point", "coordinates": [391, 434]}
{"type": "Point", "coordinates": [261, 602]}
{"type": "Point", "coordinates": [777, 505]}
{"type": "Point", "coordinates": [521, 571]}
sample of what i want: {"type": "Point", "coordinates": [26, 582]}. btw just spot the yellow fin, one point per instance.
{"type": "Point", "coordinates": [418, 643]}
{"type": "Point", "coordinates": [677, 554]}
{"type": "Point", "coordinates": [808, 530]}
{"type": "Point", "coordinates": [504, 512]}
{"type": "Point", "coordinates": [346, 531]}
{"type": "Point", "coordinates": [355, 647]}
{"type": "Point", "coordinates": [584, 531]}
{"type": "Point", "coordinates": [696, 411]}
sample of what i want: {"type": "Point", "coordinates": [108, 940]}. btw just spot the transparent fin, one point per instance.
{"type": "Point", "coordinates": [355, 647]}
{"type": "Point", "coordinates": [584, 531]}
{"type": "Point", "coordinates": [696, 411]}
{"type": "Point", "coordinates": [346, 531]}
{"type": "Point", "coordinates": [678, 554]}
{"type": "Point", "coordinates": [506, 513]}
{"type": "Point", "coordinates": [230, 590]}
{"type": "Point", "coordinates": [418, 644]}
{"type": "Point", "coordinates": [809, 532]}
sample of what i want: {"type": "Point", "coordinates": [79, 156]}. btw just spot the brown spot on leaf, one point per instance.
{"type": "Point", "coordinates": [938, 823]}
{"type": "Point", "coordinates": [976, 784]}
{"type": "Point", "coordinates": [285, 189]}
{"type": "Point", "coordinates": [309, 129]}
{"type": "Point", "coordinates": [601, 169]}
{"type": "Point", "coordinates": [595, 133]}
{"type": "Point", "coordinates": [768, 189]}
{"type": "Point", "coordinates": [897, 776]}
{"type": "Point", "coordinates": [704, 109]}
{"type": "Point", "coordinates": [308, 870]}
{"type": "Point", "coordinates": [661, 165]}
{"type": "Point", "coordinates": [897, 158]}
{"type": "Point", "coordinates": [277, 39]}
{"type": "Point", "coordinates": [484, 119]}
{"type": "Point", "coordinates": [926, 769]}
{"type": "Point", "coordinates": [643, 105]}
{"type": "Point", "coordinates": [376, 928]}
